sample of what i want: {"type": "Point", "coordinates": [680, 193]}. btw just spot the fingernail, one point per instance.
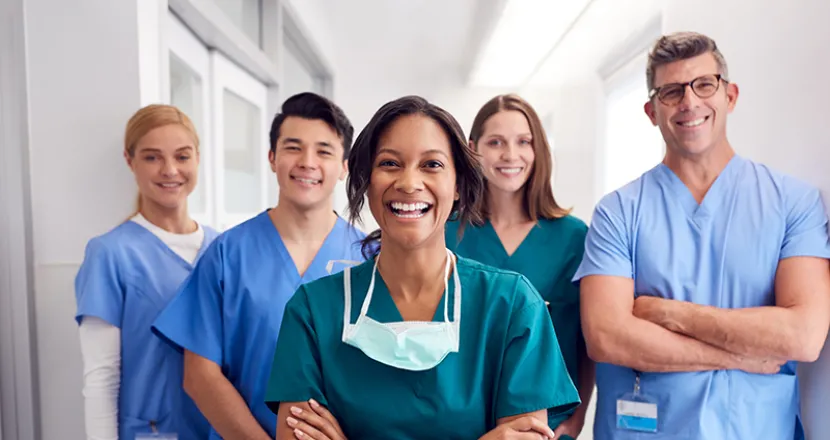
{"type": "Point", "coordinates": [314, 403]}
{"type": "Point", "coordinates": [291, 421]}
{"type": "Point", "coordinates": [299, 433]}
{"type": "Point", "coordinates": [296, 411]}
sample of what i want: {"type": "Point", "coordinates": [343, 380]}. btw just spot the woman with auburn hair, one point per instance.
{"type": "Point", "coordinates": [132, 382]}
{"type": "Point", "coordinates": [526, 231]}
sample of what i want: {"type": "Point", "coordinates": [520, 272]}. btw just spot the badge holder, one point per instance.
{"type": "Point", "coordinates": [155, 434]}
{"type": "Point", "coordinates": [637, 411]}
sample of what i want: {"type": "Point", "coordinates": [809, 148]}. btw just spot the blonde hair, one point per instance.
{"type": "Point", "coordinates": [149, 118]}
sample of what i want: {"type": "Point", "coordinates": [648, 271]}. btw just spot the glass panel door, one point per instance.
{"type": "Point", "coordinates": [239, 103]}
{"type": "Point", "coordinates": [189, 91]}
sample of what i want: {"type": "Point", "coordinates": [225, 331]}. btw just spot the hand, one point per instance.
{"type": "Point", "coordinates": [571, 427]}
{"type": "Point", "coordinates": [317, 424]}
{"type": "Point", "coordinates": [653, 309]}
{"type": "Point", "coordinates": [523, 428]}
{"type": "Point", "coordinates": [760, 366]}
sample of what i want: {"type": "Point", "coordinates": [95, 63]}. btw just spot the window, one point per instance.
{"type": "Point", "coordinates": [190, 92]}
{"type": "Point", "coordinates": [297, 76]}
{"type": "Point", "coordinates": [244, 14]}
{"type": "Point", "coordinates": [239, 103]}
{"type": "Point", "coordinates": [632, 144]}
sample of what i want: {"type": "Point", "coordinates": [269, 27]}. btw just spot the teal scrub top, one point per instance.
{"type": "Point", "coordinates": [509, 361]}
{"type": "Point", "coordinates": [548, 257]}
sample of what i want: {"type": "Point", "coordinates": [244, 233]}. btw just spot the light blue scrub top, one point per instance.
{"type": "Point", "coordinates": [508, 361]}
{"type": "Point", "coordinates": [127, 277]}
{"type": "Point", "coordinates": [229, 311]}
{"type": "Point", "coordinates": [724, 253]}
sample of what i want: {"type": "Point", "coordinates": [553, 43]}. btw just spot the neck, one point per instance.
{"type": "Point", "coordinates": [506, 208]}
{"type": "Point", "coordinates": [422, 272]}
{"type": "Point", "coordinates": [174, 220]}
{"type": "Point", "coordinates": [302, 224]}
{"type": "Point", "coordinates": [699, 171]}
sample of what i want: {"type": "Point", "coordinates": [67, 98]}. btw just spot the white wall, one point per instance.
{"type": "Point", "coordinates": [777, 54]}
{"type": "Point", "coordinates": [83, 86]}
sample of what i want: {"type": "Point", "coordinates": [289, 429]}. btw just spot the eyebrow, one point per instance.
{"type": "Point", "coordinates": [395, 153]}
{"type": "Point", "coordinates": [292, 140]}
{"type": "Point", "coordinates": [156, 150]}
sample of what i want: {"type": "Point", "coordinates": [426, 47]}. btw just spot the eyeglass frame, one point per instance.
{"type": "Point", "coordinates": [689, 84]}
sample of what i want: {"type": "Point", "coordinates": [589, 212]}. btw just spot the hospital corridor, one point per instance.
{"type": "Point", "coordinates": [332, 219]}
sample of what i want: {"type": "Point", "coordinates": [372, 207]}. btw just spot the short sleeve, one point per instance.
{"type": "Point", "coordinates": [296, 374]}
{"type": "Point", "coordinates": [607, 250]}
{"type": "Point", "coordinates": [806, 231]}
{"type": "Point", "coordinates": [99, 291]}
{"type": "Point", "coordinates": [193, 319]}
{"type": "Point", "coordinates": [533, 375]}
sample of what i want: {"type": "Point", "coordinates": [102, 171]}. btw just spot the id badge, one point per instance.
{"type": "Point", "coordinates": [156, 436]}
{"type": "Point", "coordinates": [637, 411]}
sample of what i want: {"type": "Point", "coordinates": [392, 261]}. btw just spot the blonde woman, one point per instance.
{"type": "Point", "coordinates": [132, 379]}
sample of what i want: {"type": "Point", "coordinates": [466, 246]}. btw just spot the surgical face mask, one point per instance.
{"type": "Point", "coordinates": [407, 345]}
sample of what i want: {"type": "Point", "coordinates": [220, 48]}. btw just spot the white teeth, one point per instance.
{"type": "Point", "coordinates": [510, 170]}
{"type": "Point", "coordinates": [694, 123]}
{"type": "Point", "coordinates": [410, 207]}
{"type": "Point", "coordinates": [306, 181]}
{"type": "Point", "coordinates": [170, 185]}
{"type": "Point", "coordinates": [416, 214]}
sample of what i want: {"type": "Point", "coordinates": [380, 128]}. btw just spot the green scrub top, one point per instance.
{"type": "Point", "coordinates": [508, 361]}
{"type": "Point", "coordinates": [548, 257]}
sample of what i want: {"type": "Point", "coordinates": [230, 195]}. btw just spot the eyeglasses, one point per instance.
{"type": "Point", "coordinates": [672, 94]}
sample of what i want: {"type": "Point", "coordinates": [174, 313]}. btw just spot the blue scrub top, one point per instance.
{"type": "Point", "coordinates": [229, 311]}
{"type": "Point", "coordinates": [723, 252]}
{"type": "Point", "coordinates": [548, 257]}
{"type": "Point", "coordinates": [508, 361]}
{"type": "Point", "coordinates": [127, 277]}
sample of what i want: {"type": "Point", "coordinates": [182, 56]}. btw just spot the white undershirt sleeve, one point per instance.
{"type": "Point", "coordinates": [101, 352]}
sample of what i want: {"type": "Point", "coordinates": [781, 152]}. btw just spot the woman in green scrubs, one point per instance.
{"type": "Point", "coordinates": [417, 342]}
{"type": "Point", "coordinates": [526, 231]}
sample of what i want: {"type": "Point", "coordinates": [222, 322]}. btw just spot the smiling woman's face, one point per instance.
{"type": "Point", "coordinates": [413, 182]}
{"type": "Point", "coordinates": [165, 165]}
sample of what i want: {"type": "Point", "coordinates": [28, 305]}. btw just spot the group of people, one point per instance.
{"type": "Point", "coordinates": [480, 306]}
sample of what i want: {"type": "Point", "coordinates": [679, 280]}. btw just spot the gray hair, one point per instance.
{"type": "Point", "coordinates": [682, 46]}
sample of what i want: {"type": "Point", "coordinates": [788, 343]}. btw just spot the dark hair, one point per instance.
{"type": "Point", "coordinates": [309, 105]}
{"type": "Point", "coordinates": [469, 180]}
{"type": "Point", "coordinates": [538, 192]}
{"type": "Point", "coordinates": [682, 46]}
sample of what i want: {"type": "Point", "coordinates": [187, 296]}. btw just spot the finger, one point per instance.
{"type": "Point", "coordinates": [530, 423]}
{"type": "Point", "coordinates": [304, 431]}
{"type": "Point", "coordinates": [323, 412]}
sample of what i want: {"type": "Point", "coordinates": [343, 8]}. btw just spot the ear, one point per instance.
{"type": "Point", "coordinates": [345, 170]}
{"type": "Point", "coordinates": [473, 145]}
{"type": "Point", "coordinates": [650, 112]}
{"type": "Point", "coordinates": [128, 159]}
{"type": "Point", "coordinates": [732, 96]}
{"type": "Point", "coordinates": [271, 160]}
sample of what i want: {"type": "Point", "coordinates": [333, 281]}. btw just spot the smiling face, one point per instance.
{"type": "Point", "coordinates": [695, 125]}
{"type": "Point", "coordinates": [308, 161]}
{"type": "Point", "coordinates": [413, 182]}
{"type": "Point", "coordinates": [506, 149]}
{"type": "Point", "coordinates": [165, 163]}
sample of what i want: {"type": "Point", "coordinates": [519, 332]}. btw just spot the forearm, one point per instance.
{"type": "Point", "coordinates": [101, 352]}
{"type": "Point", "coordinates": [586, 380]}
{"type": "Point", "coordinates": [761, 332]}
{"type": "Point", "coordinates": [220, 402]}
{"type": "Point", "coordinates": [647, 347]}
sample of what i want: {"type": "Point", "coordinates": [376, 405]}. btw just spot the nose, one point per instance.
{"type": "Point", "coordinates": [169, 169]}
{"type": "Point", "coordinates": [690, 99]}
{"type": "Point", "coordinates": [409, 181]}
{"type": "Point", "coordinates": [508, 153]}
{"type": "Point", "coordinates": [308, 159]}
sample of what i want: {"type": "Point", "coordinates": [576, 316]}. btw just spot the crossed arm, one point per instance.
{"type": "Point", "coordinates": [658, 335]}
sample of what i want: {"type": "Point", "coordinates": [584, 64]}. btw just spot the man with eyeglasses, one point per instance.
{"type": "Point", "coordinates": [707, 279]}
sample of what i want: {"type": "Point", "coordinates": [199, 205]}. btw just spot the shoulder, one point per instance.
{"type": "Point", "coordinates": [114, 242]}
{"type": "Point", "coordinates": [776, 184]}
{"type": "Point", "coordinates": [566, 225]}
{"type": "Point", "coordinates": [499, 288]}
